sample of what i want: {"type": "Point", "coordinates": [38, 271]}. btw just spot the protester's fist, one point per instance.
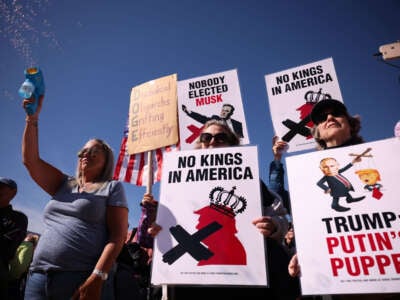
{"type": "Point", "coordinates": [294, 267]}
{"type": "Point", "coordinates": [265, 225]}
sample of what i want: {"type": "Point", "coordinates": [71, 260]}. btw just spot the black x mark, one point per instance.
{"type": "Point", "coordinates": [296, 128]}
{"type": "Point", "coordinates": [190, 243]}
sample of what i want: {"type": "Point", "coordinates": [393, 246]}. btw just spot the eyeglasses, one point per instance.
{"type": "Point", "coordinates": [93, 151]}
{"type": "Point", "coordinates": [324, 115]}
{"type": "Point", "coordinates": [219, 138]}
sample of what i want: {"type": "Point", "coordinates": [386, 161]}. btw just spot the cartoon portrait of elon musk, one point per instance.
{"type": "Point", "coordinates": [215, 242]}
{"type": "Point", "coordinates": [336, 184]}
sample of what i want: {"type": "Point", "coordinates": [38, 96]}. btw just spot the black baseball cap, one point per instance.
{"type": "Point", "coordinates": [9, 182]}
{"type": "Point", "coordinates": [322, 105]}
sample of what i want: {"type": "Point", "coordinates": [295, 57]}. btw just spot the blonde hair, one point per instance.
{"type": "Point", "coordinates": [108, 170]}
{"type": "Point", "coordinates": [369, 171]}
{"type": "Point", "coordinates": [233, 140]}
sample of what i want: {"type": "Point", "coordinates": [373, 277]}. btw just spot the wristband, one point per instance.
{"type": "Point", "coordinates": [101, 274]}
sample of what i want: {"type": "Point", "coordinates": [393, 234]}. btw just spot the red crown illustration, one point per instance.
{"type": "Point", "coordinates": [227, 202]}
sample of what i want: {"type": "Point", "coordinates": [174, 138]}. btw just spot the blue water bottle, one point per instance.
{"type": "Point", "coordinates": [32, 86]}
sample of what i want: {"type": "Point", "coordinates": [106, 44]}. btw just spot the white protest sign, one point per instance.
{"type": "Point", "coordinates": [213, 96]}
{"type": "Point", "coordinates": [292, 94]}
{"type": "Point", "coordinates": [347, 238]}
{"type": "Point", "coordinates": [208, 199]}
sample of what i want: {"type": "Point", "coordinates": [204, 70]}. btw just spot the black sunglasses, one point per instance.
{"type": "Point", "coordinates": [91, 151]}
{"type": "Point", "coordinates": [324, 115]}
{"type": "Point", "coordinates": [219, 138]}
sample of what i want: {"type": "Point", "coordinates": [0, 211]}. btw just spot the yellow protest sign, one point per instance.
{"type": "Point", "coordinates": [153, 121]}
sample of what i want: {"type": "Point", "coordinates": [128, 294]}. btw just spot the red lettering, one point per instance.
{"type": "Point", "coordinates": [209, 100]}
{"type": "Point", "coordinates": [347, 248]}
{"type": "Point", "coordinates": [362, 265]}
{"type": "Point", "coordinates": [383, 261]}
{"type": "Point", "coordinates": [356, 270]}
{"type": "Point", "coordinates": [332, 242]}
{"type": "Point", "coordinates": [360, 242]}
{"type": "Point", "coordinates": [366, 262]}
{"type": "Point", "coordinates": [336, 264]}
{"type": "Point", "coordinates": [396, 260]}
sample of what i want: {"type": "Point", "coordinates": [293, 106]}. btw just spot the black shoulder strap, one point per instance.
{"type": "Point", "coordinates": [134, 230]}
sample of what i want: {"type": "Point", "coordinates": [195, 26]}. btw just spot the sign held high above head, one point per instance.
{"type": "Point", "coordinates": [292, 93]}
{"type": "Point", "coordinates": [153, 119]}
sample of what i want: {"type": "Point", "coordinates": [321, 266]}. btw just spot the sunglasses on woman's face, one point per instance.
{"type": "Point", "coordinates": [324, 115]}
{"type": "Point", "coordinates": [219, 138]}
{"type": "Point", "coordinates": [93, 151]}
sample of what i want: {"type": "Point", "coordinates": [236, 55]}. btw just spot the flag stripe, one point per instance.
{"type": "Point", "coordinates": [139, 180]}
{"type": "Point", "coordinates": [133, 168]}
{"type": "Point", "coordinates": [158, 161]}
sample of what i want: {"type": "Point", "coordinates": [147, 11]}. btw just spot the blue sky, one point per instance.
{"type": "Point", "coordinates": [93, 52]}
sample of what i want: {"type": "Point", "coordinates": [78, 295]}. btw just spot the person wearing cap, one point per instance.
{"type": "Point", "coordinates": [334, 127]}
{"type": "Point", "coordinates": [13, 227]}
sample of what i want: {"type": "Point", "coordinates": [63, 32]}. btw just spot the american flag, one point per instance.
{"type": "Point", "coordinates": [134, 168]}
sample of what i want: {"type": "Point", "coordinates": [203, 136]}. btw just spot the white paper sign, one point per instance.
{"type": "Point", "coordinates": [208, 199]}
{"type": "Point", "coordinates": [209, 97]}
{"type": "Point", "coordinates": [352, 247]}
{"type": "Point", "coordinates": [292, 94]}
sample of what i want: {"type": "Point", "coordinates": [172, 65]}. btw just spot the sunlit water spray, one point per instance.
{"type": "Point", "coordinates": [24, 27]}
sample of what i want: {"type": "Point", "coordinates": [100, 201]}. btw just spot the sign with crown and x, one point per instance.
{"type": "Point", "coordinates": [208, 199]}
{"type": "Point", "coordinates": [292, 93]}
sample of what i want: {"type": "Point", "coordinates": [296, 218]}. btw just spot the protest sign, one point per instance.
{"type": "Point", "coordinates": [346, 218]}
{"type": "Point", "coordinates": [208, 199]}
{"type": "Point", "coordinates": [213, 96]}
{"type": "Point", "coordinates": [292, 94]}
{"type": "Point", "coordinates": [152, 115]}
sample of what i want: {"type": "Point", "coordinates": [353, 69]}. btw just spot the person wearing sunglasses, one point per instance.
{"type": "Point", "coordinates": [216, 134]}
{"type": "Point", "coordinates": [273, 226]}
{"type": "Point", "coordinates": [85, 221]}
{"type": "Point", "coordinates": [334, 127]}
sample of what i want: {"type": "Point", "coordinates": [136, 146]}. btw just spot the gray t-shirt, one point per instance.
{"type": "Point", "coordinates": [75, 227]}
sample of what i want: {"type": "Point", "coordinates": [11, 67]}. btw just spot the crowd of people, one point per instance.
{"type": "Point", "coordinates": [87, 250]}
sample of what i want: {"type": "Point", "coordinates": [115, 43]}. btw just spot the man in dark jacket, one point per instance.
{"type": "Point", "coordinates": [13, 227]}
{"type": "Point", "coordinates": [225, 116]}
